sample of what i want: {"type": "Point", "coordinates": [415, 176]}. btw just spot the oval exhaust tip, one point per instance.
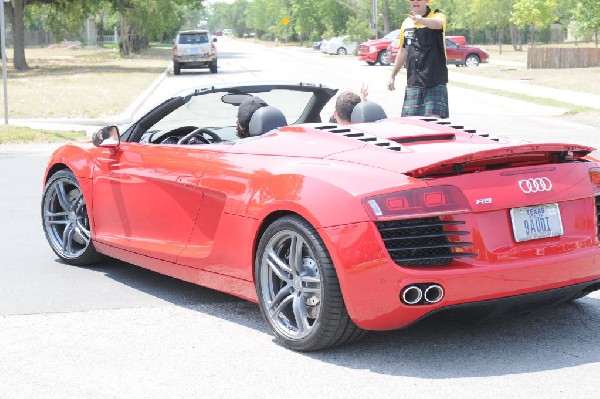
{"type": "Point", "coordinates": [434, 293]}
{"type": "Point", "coordinates": [412, 295]}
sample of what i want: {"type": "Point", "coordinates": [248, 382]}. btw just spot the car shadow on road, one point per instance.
{"type": "Point", "coordinates": [436, 348]}
{"type": "Point", "coordinates": [182, 293]}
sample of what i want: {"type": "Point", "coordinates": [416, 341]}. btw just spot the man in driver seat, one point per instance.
{"type": "Point", "coordinates": [245, 112]}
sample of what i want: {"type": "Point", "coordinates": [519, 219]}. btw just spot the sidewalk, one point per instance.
{"type": "Point", "coordinates": [526, 88]}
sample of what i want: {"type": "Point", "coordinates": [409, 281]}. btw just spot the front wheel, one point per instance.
{"type": "Point", "coordinates": [298, 290]}
{"type": "Point", "coordinates": [472, 60]}
{"type": "Point", "coordinates": [66, 222]}
{"type": "Point", "coordinates": [382, 59]}
{"type": "Point", "coordinates": [342, 51]}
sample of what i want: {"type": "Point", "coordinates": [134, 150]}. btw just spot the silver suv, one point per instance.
{"type": "Point", "coordinates": [194, 49]}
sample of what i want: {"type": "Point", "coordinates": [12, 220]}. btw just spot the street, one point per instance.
{"type": "Point", "coordinates": [116, 330]}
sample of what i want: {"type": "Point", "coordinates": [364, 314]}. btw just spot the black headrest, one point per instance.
{"type": "Point", "coordinates": [367, 111]}
{"type": "Point", "coordinates": [266, 119]}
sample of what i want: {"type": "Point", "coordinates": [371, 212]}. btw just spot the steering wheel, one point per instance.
{"type": "Point", "coordinates": [197, 137]}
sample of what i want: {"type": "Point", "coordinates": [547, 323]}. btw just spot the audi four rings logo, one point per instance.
{"type": "Point", "coordinates": [535, 185]}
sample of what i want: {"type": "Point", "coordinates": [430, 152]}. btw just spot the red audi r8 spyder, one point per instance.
{"type": "Point", "coordinates": [333, 230]}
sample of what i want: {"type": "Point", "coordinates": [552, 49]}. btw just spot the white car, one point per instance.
{"type": "Point", "coordinates": [341, 45]}
{"type": "Point", "coordinates": [194, 49]}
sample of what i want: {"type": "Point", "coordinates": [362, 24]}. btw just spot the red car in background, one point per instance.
{"type": "Point", "coordinates": [374, 51]}
{"type": "Point", "coordinates": [459, 55]}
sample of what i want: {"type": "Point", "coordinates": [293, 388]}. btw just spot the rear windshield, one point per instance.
{"type": "Point", "coordinates": [193, 39]}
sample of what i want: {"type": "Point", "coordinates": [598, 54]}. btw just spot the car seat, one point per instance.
{"type": "Point", "coordinates": [266, 119]}
{"type": "Point", "coordinates": [367, 111]}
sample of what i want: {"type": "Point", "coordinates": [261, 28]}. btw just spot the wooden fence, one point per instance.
{"type": "Point", "coordinates": [560, 58]}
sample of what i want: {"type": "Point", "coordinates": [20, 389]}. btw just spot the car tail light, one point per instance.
{"type": "Point", "coordinates": [213, 50]}
{"type": "Point", "coordinates": [428, 201]}
{"type": "Point", "coordinates": [595, 179]}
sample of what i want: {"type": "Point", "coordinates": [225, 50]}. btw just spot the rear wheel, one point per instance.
{"type": "Point", "coordinates": [342, 51]}
{"type": "Point", "coordinates": [66, 222]}
{"type": "Point", "coordinates": [176, 68]}
{"type": "Point", "coordinates": [213, 66]}
{"type": "Point", "coordinates": [371, 63]}
{"type": "Point", "coordinates": [298, 289]}
{"type": "Point", "coordinates": [472, 60]}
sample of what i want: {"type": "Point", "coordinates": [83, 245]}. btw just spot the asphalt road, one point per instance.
{"type": "Point", "coordinates": [120, 331]}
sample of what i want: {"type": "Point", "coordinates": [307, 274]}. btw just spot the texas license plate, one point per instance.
{"type": "Point", "coordinates": [534, 222]}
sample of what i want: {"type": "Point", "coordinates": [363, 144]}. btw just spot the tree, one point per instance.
{"type": "Point", "coordinates": [496, 16]}
{"type": "Point", "coordinates": [142, 19]}
{"type": "Point", "coordinates": [534, 13]}
{"type": "Point", "coordinates": [587, 21]}
{"type": "Point", "coordinates": [139, 19]}
{"type": "Point", "coordinates": [306, 21]}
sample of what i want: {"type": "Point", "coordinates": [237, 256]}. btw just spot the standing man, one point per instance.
{"type": "Point", "coordinates": [423, 49]}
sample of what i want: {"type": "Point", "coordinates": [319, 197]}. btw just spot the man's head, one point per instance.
{"type": "Point", "coordinates": [245, 112]}
{"type": "Point", "coordinates": [418, 6]}
{"type": "Point", "coordinates": [344, 105]}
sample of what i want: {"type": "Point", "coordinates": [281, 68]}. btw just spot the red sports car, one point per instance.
{"type": "Point", "coordinates": [333, 230]}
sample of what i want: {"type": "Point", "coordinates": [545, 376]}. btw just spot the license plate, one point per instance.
{"type": "Point", "coordinates": [535, 222]}
{"type": "Point", "coordinates": [194, 50]}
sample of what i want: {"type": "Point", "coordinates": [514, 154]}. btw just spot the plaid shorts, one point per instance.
{"type": "Point", "coordinates": [426, 101]}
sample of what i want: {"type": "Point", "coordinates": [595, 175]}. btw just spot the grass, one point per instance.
{"type": "Point", "coordinates": [10, 134]}
{"type": "Point", "coordinates": [571, 108]}
{"type": "Point", "coordinates": [87, 83]}
{"type": "Point", "coordinates": [512, 65]}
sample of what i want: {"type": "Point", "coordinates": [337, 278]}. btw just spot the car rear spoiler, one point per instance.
{"type": "Point", "coordinates": [505, 157]}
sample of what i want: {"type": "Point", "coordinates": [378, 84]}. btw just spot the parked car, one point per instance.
{"type": "Point", "coordinates": [333, 230]}
{"type": "Point", "coordinates": [460, 55]}
{"type": "Point", "coordinates": [340, 45]}
{"type": "Point", "coordinates": [373, 51]}
{"type": "Point", "coordinates": [455, 54]}
{"type": "Point", "coordinates": [194, 49]}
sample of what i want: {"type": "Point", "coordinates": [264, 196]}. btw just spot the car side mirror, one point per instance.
{"type": "Point", "coordinates": [108, 137]}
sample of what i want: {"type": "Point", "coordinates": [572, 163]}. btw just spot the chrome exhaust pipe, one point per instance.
{"type": "Point", "coordinates": [433, 294]}
{"type": "Point", "coordinates": [412, 295]}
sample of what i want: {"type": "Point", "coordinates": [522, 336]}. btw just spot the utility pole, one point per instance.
{"type": "Point", "coordinates": [3, 50]}
{"type": "Point", "coordinates": [374, 13]}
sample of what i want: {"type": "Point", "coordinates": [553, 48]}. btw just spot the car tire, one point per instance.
{"type": "Point", "coordinates": [472, 60]}
{"type": "Point", "coordinates": [371, 63]}
{"type": "Point", "coordinates": [213, 66]}
{"type": "Point", "coordinates": [298, 289]}
{"type": "Point", "coordinates": [381, 58]}
{"type": "Point", "coordinates": [66, 222]}
{"type": "Point", "coordinates": [176, 68]}
{"type": "Point", "coordinates": [342, 51]}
